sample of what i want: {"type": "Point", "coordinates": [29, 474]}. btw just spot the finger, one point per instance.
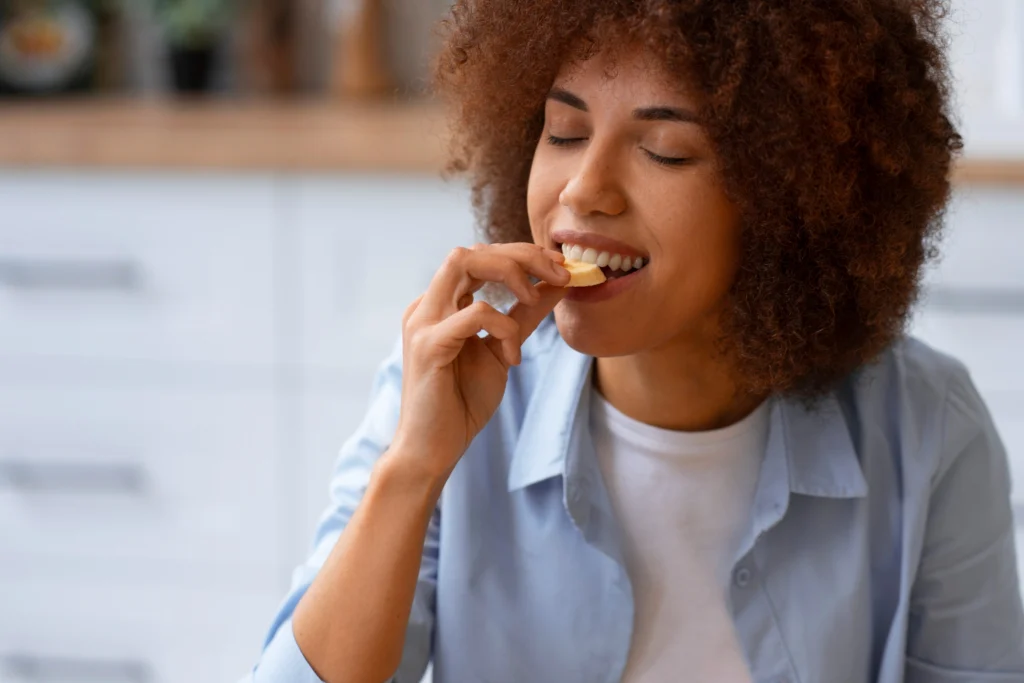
{"type": "Point", "coordinates": [511, 274]}
{"type": "Point", "coordinates": [500, 260]}
{"type": "Point", "coordinates": [466, 270]}
{"type": "Point", "coordinates": [528, 251]}
{"type": "Point", "coordinates": [449, 335]}
{"type": "Point", "coordinates": [410, 310]}
{"type": "Point", "coordinates": [556, 256]}
{"type": "Point", "coordinates": [529, 316]}
{"type": "Point", "coordinates": [511, 264]}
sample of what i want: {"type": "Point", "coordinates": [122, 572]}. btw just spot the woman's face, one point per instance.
{"type": "Point", "coordinates": [623, 168]}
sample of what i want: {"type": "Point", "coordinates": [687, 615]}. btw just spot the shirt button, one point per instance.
{"type": "Point", "coordinates": [742, 577]}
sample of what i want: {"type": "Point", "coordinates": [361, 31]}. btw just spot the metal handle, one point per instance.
{"type": "Point", "coordinates": [42, 669]}
{"type": "Point", "coordinates": [72, 477]}
{"type": "Point", "coordinates": [1006, 300]}
{"type": "Point", "coordinates": [38, 275]}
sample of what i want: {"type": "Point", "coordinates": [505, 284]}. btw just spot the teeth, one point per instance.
{"type": "Point", "coordinates": [602, 259]}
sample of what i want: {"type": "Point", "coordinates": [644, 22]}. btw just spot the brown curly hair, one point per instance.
{"type": "Point", "coordinates": [834, 137]}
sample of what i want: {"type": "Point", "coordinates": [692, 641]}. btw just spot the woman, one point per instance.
{"type": "Point", "coordinates": [724, 464]}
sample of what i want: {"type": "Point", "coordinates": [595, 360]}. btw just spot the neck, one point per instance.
{"type": "Point", "coordinates": [683, 389]}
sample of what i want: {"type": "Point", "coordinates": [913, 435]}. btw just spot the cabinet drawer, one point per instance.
{"type": "Point", "coordinates": [369, 247]}
{"type": "Point", "coordinates": [138, 482]}
{"type": "Point", "coordinates": [988, 344]}
{"type": "Point", "coordinates": [329, 419]}
{"type": "Point", "coordinates": [92, 633]}
{"type": "Point", "coordinates": [983, 241]}
{"type": "Point", "coordinates": [142, 267]}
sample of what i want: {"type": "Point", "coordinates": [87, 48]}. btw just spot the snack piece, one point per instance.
{"type": "Point", "coordinates": [583, 274]}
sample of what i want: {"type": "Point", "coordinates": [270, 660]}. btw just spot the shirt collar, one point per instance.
{"type": "Point", "coordinates": [809, 449]}
{"type": "Point", "coordinates": [822, 458]}
{"type": "Point", "coordinates": [551, 416]}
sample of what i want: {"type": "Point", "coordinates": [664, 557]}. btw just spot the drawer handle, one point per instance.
{"type": "Point", "coordinates": [42, 669]}
{"type": "Point", "coordinates": [68, 477]}
{"type": "Point", "coordinates": [114, 275]}
{"type": "Point", "coordinates": [1006, 300]}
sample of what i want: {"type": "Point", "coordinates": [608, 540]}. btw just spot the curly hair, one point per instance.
{"type": "Point", "coordinates": [831, 123]}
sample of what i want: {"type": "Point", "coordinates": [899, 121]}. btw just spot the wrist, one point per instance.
{"type": "Point", "coordinates": [411, 471]}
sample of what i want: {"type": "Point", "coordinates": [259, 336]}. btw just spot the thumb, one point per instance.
{"type": "Point", "coordinates": [529, 316]}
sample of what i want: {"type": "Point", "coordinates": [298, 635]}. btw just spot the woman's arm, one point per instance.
{"type": "Point", "coordinates": [966, 621]}
{"type": "Point", "coordinates": [351, 623]}
{"type": "Point", "coordinates": [354, 481]}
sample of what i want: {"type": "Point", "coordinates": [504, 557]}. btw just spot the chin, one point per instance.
{"type": "Point", "coordinates": [597, 336]}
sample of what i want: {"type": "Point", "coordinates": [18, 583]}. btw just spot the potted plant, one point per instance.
{"type": "Point", "coordinates": [194, 30]}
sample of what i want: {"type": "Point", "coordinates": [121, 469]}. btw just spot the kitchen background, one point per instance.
{"type": "Point", "coordinates": [212, 215]}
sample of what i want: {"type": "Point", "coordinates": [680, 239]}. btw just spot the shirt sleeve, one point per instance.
{"type": "Point", "coordinates": [966, 621]}
{"type": "Point", "coordinates": [281, 660]}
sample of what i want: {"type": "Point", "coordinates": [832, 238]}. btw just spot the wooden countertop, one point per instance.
{"type": "Point", "coordinates": [233, 135]}
{"type": "Point", "coordinates": [284, 135]}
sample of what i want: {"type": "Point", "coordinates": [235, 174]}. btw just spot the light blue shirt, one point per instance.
{"type": "Point", "coordinates": [881, 544]}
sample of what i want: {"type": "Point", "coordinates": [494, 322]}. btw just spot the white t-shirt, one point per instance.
{"type": "Point", "coordinates": [683, 501]}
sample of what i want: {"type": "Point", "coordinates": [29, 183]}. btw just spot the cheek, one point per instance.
{"type": "Point", "coordinates": [542, 192]}
{"type": "Point", "coordinates": [703, 252]}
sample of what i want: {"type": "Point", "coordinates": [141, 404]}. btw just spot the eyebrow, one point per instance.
{"type": "Point", "coordinates": [660, 113]}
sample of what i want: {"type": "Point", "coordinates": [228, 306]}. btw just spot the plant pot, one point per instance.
{"type": "Point", "coordinates": [191, 68]}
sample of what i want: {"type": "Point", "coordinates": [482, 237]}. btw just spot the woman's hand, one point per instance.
{"type": "Point", "coordinates": [452, 379]}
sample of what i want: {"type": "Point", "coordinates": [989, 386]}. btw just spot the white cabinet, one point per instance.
{"type": "Point", "coordinates": [367, 248]}
{"type": "Point", "coordinates": [132, 482]}
{"type": "Point", "coordinates": [107, 633]}
{"type": "Point", "coordinates": [987, 55]}
{"type": "Point", "coordinates": [981, 249]}
{"type": "Point", "coordinates": [181, 356]}
{"type": "Point", "coordinates": [364, 249]}
{"type": "Point", "coordinates": [161, 267]}
{"type": "Point", "coordinates": [986, 342]}
{"type": "Point", "coordinates": [973, 307]}
{"type": "Point", "coordinates": [329, 416]}
{"type": "Point", "coordinates": [141, 436]}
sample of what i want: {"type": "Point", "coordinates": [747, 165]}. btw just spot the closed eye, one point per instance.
{"type": "Point", "coordinates": [666, 161]}
{"type": "Point", "coordinates": [657, 158]}
{"type": "Point", "coordinates": [560, 142]}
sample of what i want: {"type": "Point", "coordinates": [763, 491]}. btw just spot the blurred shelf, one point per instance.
{"type": "Point", "coordinates": [286, 135]}
{"type": "Point", "coordinates": [224, 134]}
{"type": "Point", "coordinates": [975, 171]}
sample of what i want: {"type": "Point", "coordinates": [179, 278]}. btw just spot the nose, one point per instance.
{"type": "Point", "coordinates": [593, 187]}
